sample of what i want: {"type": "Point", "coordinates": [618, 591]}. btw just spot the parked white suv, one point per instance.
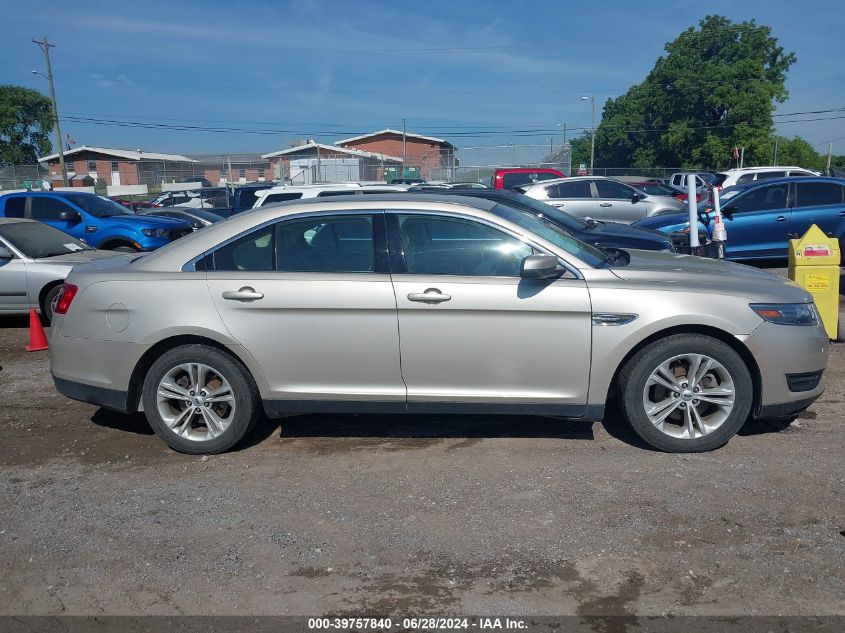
{"type": "Point", "coordinates": [283, 193]}
{"type": "Point", "coordinates": [749, 174]}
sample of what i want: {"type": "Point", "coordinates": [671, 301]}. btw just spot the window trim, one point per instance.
{"type": "Point", "coordinates": [380, 251]}
{"type": "Point", "coordinates": [397, 255]}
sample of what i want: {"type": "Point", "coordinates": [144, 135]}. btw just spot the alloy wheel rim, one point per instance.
{"type": "Point", "coordinates": [195, 401]}
{"type": "Point", "coordinates": [689, 396]}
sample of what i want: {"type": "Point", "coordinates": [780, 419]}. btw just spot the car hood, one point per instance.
{"type": "Point", "coordinates": [132, 222]}
{"type": "Point", "coordinates": [82, 257]}
{"type": "Point", "coordinates": [615, 229]}
{"type": "Point", "coordinates": [709, 275]}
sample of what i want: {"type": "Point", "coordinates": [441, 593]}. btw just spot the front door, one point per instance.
{"type": "Point", "coordinates": [616, 202]}
{"type": "Point", "coordinates": [13, 288]}
{"type": "Point", "coordinates": [311, 300]}
{"type": "Point", "coordinates": [758, 222]}
{"type": "Point", "coordinates": [47, 209]}
{"type": "Point", "coordinates": [474, 333]}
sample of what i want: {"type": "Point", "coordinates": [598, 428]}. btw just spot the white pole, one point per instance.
{"type": "Point", "coordinates": [693, 213]}
{"type": "Point", "coordinates": [720, 233]}
{"type": "Point", "coordinates": [742, 158]}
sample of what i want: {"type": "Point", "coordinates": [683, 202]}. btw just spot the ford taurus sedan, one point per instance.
{"type": "Point", "coordinates": [430, 304]}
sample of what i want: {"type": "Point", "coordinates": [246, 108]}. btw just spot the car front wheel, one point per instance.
{"type": "Point", "coordinates": [200, 400]}
{"type": "Point", "coordinates": [687, 393]}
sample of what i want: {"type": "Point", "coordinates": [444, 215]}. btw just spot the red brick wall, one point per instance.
{"type": "Point", "coordinates": [424, 154]}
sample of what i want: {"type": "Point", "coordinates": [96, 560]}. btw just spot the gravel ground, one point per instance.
{"type": "Point", "coordinates": [392, 515]}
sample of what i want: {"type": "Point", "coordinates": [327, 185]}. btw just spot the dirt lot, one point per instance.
{"type": "Point", "coordinates": [398, 515]}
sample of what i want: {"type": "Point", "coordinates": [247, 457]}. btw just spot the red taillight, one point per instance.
{"type": "Point", "coordinates": [65, 297]}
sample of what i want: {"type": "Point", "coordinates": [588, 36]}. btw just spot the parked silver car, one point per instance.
{"type": "Point", "coordinates": [601, 199]}
{"type": "Point", "coordinates": [431, 304]}
{"type": "Point", "coordinates": [34, 260]}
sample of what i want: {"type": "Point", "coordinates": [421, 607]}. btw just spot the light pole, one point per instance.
{"type": "Point", "coordinates": [45, 46]}
{"type": "Point", "coordinates": [592, 133]}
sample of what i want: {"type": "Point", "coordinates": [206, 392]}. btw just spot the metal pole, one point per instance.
{"type": "Point", "coordinates": [45, 46]}
{"type": "Point", "coordinates": [775, 161]}
{"type": "Point", "coordinates": [829, 156]}
{"type": "Point", "coordinates": [741, 157]}
{"type": "Point", "coordinates": [404, 154]}
{"type": "Point", "coordinates": [693, 215]}
{"type": "Point", "coordinates": [564, 133]}
{"type": "Point", "coordinates": [319, 179]}
{"type": "Point", "coordinates": [593, 139]}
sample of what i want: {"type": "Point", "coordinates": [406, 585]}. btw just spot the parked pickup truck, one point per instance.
{"type": "Point", "coordinates": [93, 219]}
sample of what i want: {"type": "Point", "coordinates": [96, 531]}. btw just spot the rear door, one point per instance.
{"type": "Point", "coordinates": [310, 299]}
{"type": "Point", "coordinates": [13, 287]}
{"type": "Point", "coordinates": [818, 202]}
{"type": "Point", "coordinates": [758, 222]}
{"type": "Point", "coordinates": [574, 197]}
{"type": "Point", "coordinates": [473, 332]}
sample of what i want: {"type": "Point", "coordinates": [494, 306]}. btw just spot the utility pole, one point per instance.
{"type": "Point", "coordinates": [564, 133]}
{"type": "Point", "coordinates": [741, 157]}
{"type": "Point", "coordinates": [829, 156]}
{"type": "Point", "coordinates": [404, 152]}
{"type": "Point", "coordinates": [45, 46]}
{"type": "Point", "coordinates": [592, 133]}
{"type": "Point", "coordinates": [775, 161]}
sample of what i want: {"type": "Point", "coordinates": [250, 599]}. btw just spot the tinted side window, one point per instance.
{"type": "Point", "coordinates": [610, 189]}
{"type": "Point", "coordinates": [341, 244]}
{"type": "Point", "coordinates": [575, 189]}
{"type": "Point", "coordinates": [515, 180]}
{"type": "Point", "coordinates": [47, 208]}
{"type": "Point", "coordinates": [771, 174]}
{"type": "Point", "coordinates": [452, 246]}
{"type": "Point", "coordinates": [800, 173]}
{"type": "Point", "coordinates": [328, 194]}
{"type": "Point", "coordinates": [281, 197]}
{"type": "Point", "coordinates": [814, 194]}
{"type": "Point", "coordinates": [763, 199]}
{"type": "Point", "coordinates": [15, 207]}
{"type": "Point", "coordinates": [744, 178]}
{"type": "Point", "coordinates": [253, 252]}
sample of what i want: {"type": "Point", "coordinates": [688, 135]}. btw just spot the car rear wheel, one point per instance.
{"type": "Point", "coordinates": [200, 400]}
{"type": "Point", "coordinates": [687, 393]}
{"type": "Point", "coordinates": [124, 249]}
{"type": "Point", "coordinates": [49, 304]}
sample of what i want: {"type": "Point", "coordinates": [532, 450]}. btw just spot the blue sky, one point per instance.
{"type": "Point", "coordinates": [325, 70]}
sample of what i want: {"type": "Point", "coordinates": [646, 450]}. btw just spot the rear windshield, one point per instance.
{"type": "Point", "coordinates": [525, 177]}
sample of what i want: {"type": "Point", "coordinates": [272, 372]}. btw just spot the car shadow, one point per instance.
{"type": "Point", "coordinates": [129, 422]}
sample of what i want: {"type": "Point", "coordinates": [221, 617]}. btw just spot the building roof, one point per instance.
{"type": "Point", "coordinates": [121, 153]}
{"type": "Point", "coordinates": [398, 132]}
{"type": "Point", "coordinates": [331, 148]}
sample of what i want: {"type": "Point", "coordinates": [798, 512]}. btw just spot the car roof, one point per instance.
{"type": "Point", "coordinates": [526, 169]}
{"type": "Point", "coordinates": [737, 170]}
{"type": "Point", "coordinates": [786, 180]}
{"type": "Point", "coordinates": [50, 193]}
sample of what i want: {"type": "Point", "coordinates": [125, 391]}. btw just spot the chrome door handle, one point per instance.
{"type": "Point", "coordinates": [780, 218]}
{"type": "Point", "coordinates": [244, 294]}
{"type": "Point", "coordinates": [431, 295]}
{"type": "Point", "coordinates": [605, 204]}
{"type": "Point", "coordinates": [842, 214]}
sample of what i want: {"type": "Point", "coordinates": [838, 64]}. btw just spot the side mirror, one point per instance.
{"type": "Point", "coordinates": [728, 211]}
{"type": "Point", "coordinates": [70, 216]}
{"type": "Point", "coordinates": [539, 267]}
{"type": "Point", "coordinates": [637, 197]}
{"type": "Point", "coordinates": [5, 253]}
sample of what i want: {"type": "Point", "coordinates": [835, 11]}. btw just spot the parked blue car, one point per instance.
{"type": "Point", "coordinates": [96, 220]}
{"type": "Point", "coordinates": [761, 216]}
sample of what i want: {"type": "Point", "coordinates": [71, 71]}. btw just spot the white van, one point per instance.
{"type": "Point", "coordinates": [749, 174]}
{"type": "Point", "coordinates": [283, 193]}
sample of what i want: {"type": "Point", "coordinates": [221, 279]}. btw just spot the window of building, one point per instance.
{"type": "Point", "coordinates": [92, 166]}
{"type": "Point", "coordinates": [115, 166]}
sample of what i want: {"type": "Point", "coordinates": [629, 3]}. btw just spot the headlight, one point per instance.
{"type": "Point", "coordinates": [155, 232]}
{"type": "Point", "coordinates": [786, 313]}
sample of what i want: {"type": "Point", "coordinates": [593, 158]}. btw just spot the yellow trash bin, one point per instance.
{"type": "Point", "coordinates": [814, 265]}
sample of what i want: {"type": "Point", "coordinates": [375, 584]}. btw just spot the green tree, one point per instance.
{"type": "Point", "coordinates": [715, 88]}
{"type": "Point", "coordinates": [580, 151]}
{"type": "Point", "coordinates": [26, 119]}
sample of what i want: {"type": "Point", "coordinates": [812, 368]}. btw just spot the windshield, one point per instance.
{"type": "Point", "coordinates": [656, 189]}
{"type": "Point", "coordinates": [559, 216]}
{"type": "Point", "coordinates": [35, 239]}
{"type": "Point", "coordinates": [208, 216]}
{"type": "Point", "coordinates": [724, 196]}
{"type": "Point", "coordinates": [548, 230]}
{"type": "Point", "coordinates": [98, 206]}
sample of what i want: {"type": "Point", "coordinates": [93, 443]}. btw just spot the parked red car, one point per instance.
{"type": "Point", "coordinates": [510, 177]}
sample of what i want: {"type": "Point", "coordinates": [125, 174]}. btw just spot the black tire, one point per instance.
{"type": "Point", "coordinates": [634, 376]}
{"type": "Point", "coordinates": [47, 304]}
{"type": "Point", "coordinates": [246, 398]}
{"type": "Point", "coordinates": [123, 249]}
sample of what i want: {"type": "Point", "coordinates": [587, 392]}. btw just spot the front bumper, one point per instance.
{"type": "Point", "coordinates": [782, 352]}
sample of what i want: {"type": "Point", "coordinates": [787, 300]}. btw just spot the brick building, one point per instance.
{"type": "Point", "coordinates": [116, 166]}
{"type": "Point", "coordinates": [435, 157]}
{"type": "Point", "coordinates": [313, 162]}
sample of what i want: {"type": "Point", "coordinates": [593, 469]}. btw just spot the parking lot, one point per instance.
{"type": "Point", "coordinates": [408, 515]}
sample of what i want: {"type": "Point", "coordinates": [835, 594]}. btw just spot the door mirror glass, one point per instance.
{"type": "Point", "coordinates": [636, 197]}
{"type": "Point", "coordinates": [539, 267]}
{"type": "Point", "coordinates": [70, 216]}
{"type": "Point", "coordinates": [5, 253]}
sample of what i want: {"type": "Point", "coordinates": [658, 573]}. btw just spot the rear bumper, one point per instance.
{"type": "Point", "coordinates": [100, 396]}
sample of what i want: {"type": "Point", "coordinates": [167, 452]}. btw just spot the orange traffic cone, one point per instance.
{"type": "Point", "coordinates": [37, 338]}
